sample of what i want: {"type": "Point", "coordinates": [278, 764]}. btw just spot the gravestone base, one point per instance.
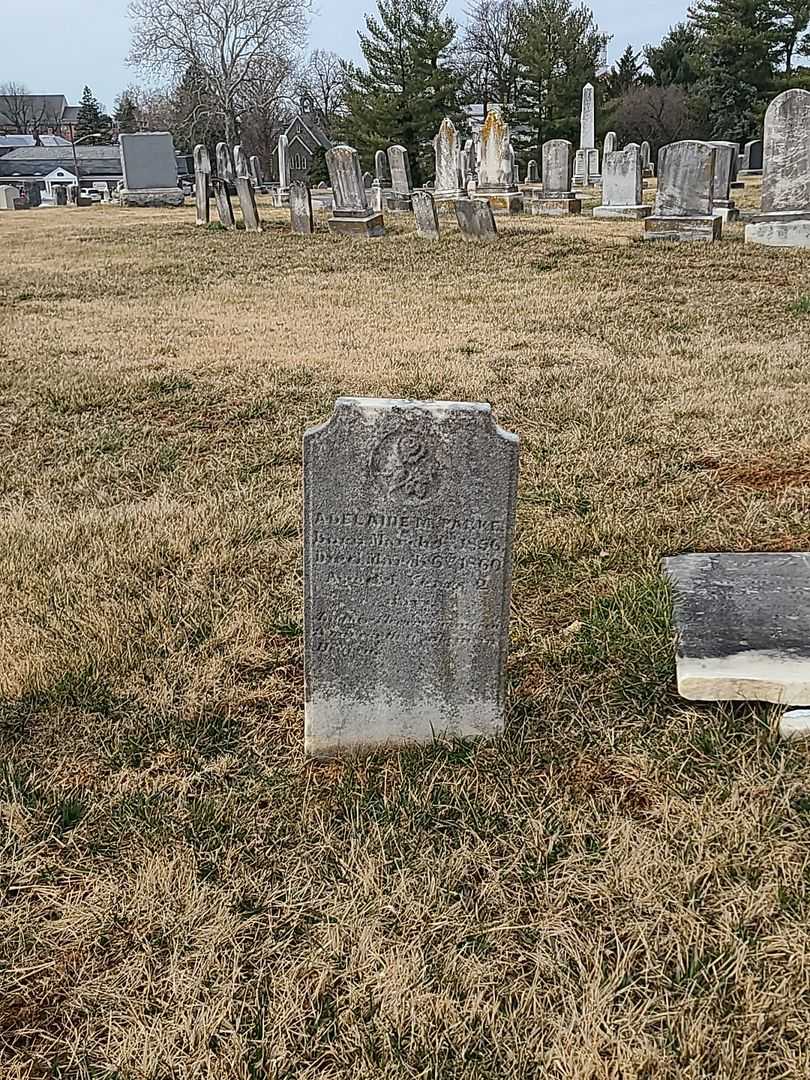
{"type": "Point", "coordinates": [448, 198]}
{"type": "Point", "coordinates": [726, 211]}
{"type": "Point", "coordinates": [503, 202]}
{"type": "Point", "coordinates": [633, 213]}
{"type": "Point", "coordinates": [683, 229]}
{"type": "Point", "coordinates": [556, 205]}
{"type": "Point", "coordinates": [364, 226]}
{"type": "Point", "coordinates": [151, 197]}
{"type": "Point", "coordinates": [745, 174]}
{"type": "Point", "coordinates": [780, 230]}
{"type": "Point", "coordinates": [281, 199]}
{"type": "Point", "coordinates": [399, 204]}
{"type": "Point", "coordinates": [648, 171]}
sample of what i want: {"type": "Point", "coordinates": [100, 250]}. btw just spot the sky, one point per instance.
{"type": "Point", "coordinates": [55, 47]}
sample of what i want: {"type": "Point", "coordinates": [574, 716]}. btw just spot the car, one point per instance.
{"type": "Point", "coordinates": [91, 194]}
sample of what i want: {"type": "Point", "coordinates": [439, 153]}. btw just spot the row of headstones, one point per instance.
{"type": "Point", "coordinates": [233, 170]}
{"type": "Point", "coordinates": [409, 518]}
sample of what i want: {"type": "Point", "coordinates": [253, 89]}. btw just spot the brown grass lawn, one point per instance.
{"type": "Point", "coordinates": [618, 889]}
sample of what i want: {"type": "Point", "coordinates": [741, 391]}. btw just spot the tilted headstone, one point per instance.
{"type": "Point", "coordinates": [557, 198]}
{"type": "Point", "coordinates": [532, 175]}
{"type": "Point", "coordinates": [245, 191]}
{"type": "Point", "coordinates": [426, 215]}
{"type": "Point", "coordinates": [684, 201]}
{"type": "Point", "coordinates": [622, 186]}
{"type": "Point", "coordinates": [256, 171]}
{"type": "Point", "coordinates": [475, 218]}
{"type": "Point", "coordinates": [496, 171]}
{"type": "Point", "coordinates": [149, 167]}
{"type": "Point", "coordinates": [785, 217]}
{"type": "Point", "coordinates": [222, 194]}
{"type": "Point", "coordinates": [610, 142]}
{"type": "Point", "coordinates": [400, 166]}
{"type": "Point", "coordinates": [448, 153]}
{"type": "Point", "coordinates": [725, 170]}
{"type": "Point", "coordinates": [408, 522]}
{"type": "Point", "coordinates": [351, 215]}
{"type": "Point", "coordinates": [302, 221]}
{"type": "Point", "coordinates": [202, 184]}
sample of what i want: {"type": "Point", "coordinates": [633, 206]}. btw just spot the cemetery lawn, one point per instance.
{"type": "Point", "coordinates": [618, 888]}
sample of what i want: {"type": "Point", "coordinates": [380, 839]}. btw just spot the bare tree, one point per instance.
{"type": "Point", "coordinates": [490, 46]}
{"type": "Point", "coordinates": [245, 51]}
{"type": "Point", "coordinates": [325, 79]}
{"type": "Point", "coordinates": [660, 114]}
{"type": "Point", "coordinates": [25, 112]}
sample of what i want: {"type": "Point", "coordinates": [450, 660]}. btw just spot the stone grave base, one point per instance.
{"type": "Point", "coordinates": [365, 226]}
{"type": "Point", "coordinates": [744, 174]}
{"type": "Point", "coordinates": [705, 229]}
{"type": "Point", "coordinates": [556, 205]}
{"type": "Point", "coordinates": [726, 212]}
{"type": "Point", "coordinates": [281, 199]}
{"type": "Point", "coordinates": [780, 230]}
{"type": "Point", "coordinates": [151, 197]}
{"type": "Point", "coordinates": [399, 204]}
{"type": "Point", "coordinates": [634, 213]}
{"type": "Point", "coordinates": [507, 202]}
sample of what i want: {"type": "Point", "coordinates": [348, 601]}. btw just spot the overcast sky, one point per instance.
{"type": "Point", "coordinates": [54, 47]}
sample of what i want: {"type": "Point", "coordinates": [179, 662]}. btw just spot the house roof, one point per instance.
{"type": "Point", "coordinates": [313, 129]}
{"type": "Point", "coordinates": [44, 109]}
{"type": "Point", "coordinates": [42, 160]}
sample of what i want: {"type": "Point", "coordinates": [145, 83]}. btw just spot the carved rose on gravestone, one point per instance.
{"type": "Point", "coordinates": [405, 464]}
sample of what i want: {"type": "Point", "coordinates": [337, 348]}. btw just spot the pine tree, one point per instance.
{"type": "Point", "coordinates": [625, 74]}
{"type": "Point", "coordinates": [318, 170]}
{"type": "Point", "coordinates": [408, 86]}
{"type": "Point", "coordinates": [91, 118]}
{"type": "Point", "coordinates": [675, 61]}
{"type": "Point", "coordinates": [738, 63]}
{"type": "Point", "coordinates": [126, 113]}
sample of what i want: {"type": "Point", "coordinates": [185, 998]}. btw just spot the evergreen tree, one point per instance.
{"type": "Point", "coordinates": [126, 114]}
{"type": "Point", "coordinates": [625, 74]}
{"type": "Point", "coordinates": [561, 49]}
{"type": "Point", "coordinates": [408, 86]}
{"type": "Point", "coordinates": [675, 61]}
{"type": "Point", "coordinates": [791, 33]}
{"type": "Point", "coordinates": [91, 118]}
{"type": "Point", "coordinates": [738, 64]}
{"type": "Point", "coordinates": [318, 170]}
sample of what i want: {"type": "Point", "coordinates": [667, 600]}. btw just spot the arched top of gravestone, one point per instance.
{"type": "Point", "coordinates": [240, 162]}
{"type": "Point", "coordinates": [686, 179]}
{"type": "Point", "coordinates": [202, 162]}
{"type": "Point", "coordinates": [786, 156]}
{"type": "Point", "coordinates": [225, 168]}
{"type": "Point", "coordinates": [343, 163]}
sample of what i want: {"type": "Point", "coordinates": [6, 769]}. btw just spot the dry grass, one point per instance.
{"type": "Point", "coordinates": [616, 890]}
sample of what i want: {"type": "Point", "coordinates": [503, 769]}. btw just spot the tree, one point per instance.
{"type": "Point", "coordinates": [675, 61]}
{"type": "Point", "coordinates": [561, 49]}
{"type": "Point", "coordinates": [325, 80]}
{"type": "Point", "coordinates": [625, 73]}
{"type": "Point", "coordinates": [793, 20]}
{"type": "Point", "coordinates": [125, 115]}
{"type": "Point", "coordinates": [318, 170]}
{"type": "Point", "coordinates": [738, 63]}
{"type": "Point", "coordinates": [24, 112]}
{"type": "Point", "coordinates": [489, 51]}
{"type": "Point", "coordinates": [243, 52]}
{"type": "Point", "coordinates": [659, 114]}
{"type": "Point", "coordinates": [408, 85]}
{"type": "Point", "coordinates": [91, 118]}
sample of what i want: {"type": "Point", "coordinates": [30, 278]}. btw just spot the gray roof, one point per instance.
{"type": "Point", "coordinates": [41, 160]}
{"type": "Point", "coordinates": [56, 153]}
{"type": "Point", "coordinates": [45, 109]}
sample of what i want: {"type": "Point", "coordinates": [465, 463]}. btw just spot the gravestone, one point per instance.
{"type": "Point", "coordinates": [256, 171]}
{"type": "Point", "coordinates": [302, 221]}
{"type": "Point", "coordinates": [785, 217]}
{"type": "Point", "coordinates": [400, 166]}
{"type": "Point", "coordinates": [367, 178]}
{"type": "Point", "coordinates": [149, 167]}
{"type": "Point", "coordinates": [448, 153]}
{"type": "Point", "coordinates": [725, 169]}
{"type": "Point", "coordinates": [557, 198]}
{"type": "Point", "coordinates": [743, 626]}
{"type": "Point", "coordinates": [610, 143]}
{"type": "Point", "coordinates": [351, 215]}
{"type": "Point", "coordinates": [426, 216]}
{"type": "Point", "coordinates": [281, 195]}
{"type": "Point", "coordinates": [377, 197]}
{"type": "Point", "coordinates": [8, 195]}
{"type": "Point", "coordinates": [684, 201]}
{"type": "Point", "coordinates": [532, 175]}
{"type": "Point", "coordinates": [408, 523]}
{"type": "Point", "coordinates": [476, 219]}
{"type": "Point", "coordinates": [752, 156]}
{"type": "Point", "coordinates": [381, 167]}
{"type": "Point", "coordinates": [586, 161]}
{"type": "Point", "coordinates": [496, 173]}
{"type": "Point", "coordinates": [245, 191]}
{"type": "Point", "coordinates": [622, 186]}
{"type": "Point", "coordinates": [470, 160]}
{"type": "Point", "coordinates": [222, 194]}
{"type": "Point", "coordinates": [202, 184]}
{"type": "Point", "coordinates": [646, 162]}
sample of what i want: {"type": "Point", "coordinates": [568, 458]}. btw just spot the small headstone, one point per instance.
{"type": "Point", "coordinates": [202, 184]}
{"type": "Point", "coordinates": [381, 167]}
{"type": "Point", "coordinates": [557, 198]}
{"type": "Point", "coordinates": [400, 201]}
{"type": "Point", "coordinates": [367, 178]}
{"type": "Point", "coordinates": [476, 219]}
{"type": "Point", "coordinates": [245, 191]}
{"type": "Point", "coordinates": [610, 142]}
{"type": "Point", "coordinates": [408, 526]}
{"type": "Point", "coordinates": [425, 215]}
{"type": "Point", "coordinates": [149, 167]}
{"type": "Point", "coordinates": [377, 197]}
{"type": "Point", "coordinates": [447, 152]}
{"type": "Point", "coordinates": [646, 162]}
{"type": "Point", "coordinates": [684, 201]}
{"type": "Point", "coordinates": [8, 195]}
{"type": "Point", "coordinates": [532, 175]}
{"type": "Point", "coordinates": [351, 215]}
{"type": "Point", "coordinates": [785, 217]}
{"type": "Point", "coordinates": [222, 193]}
{"type": "Point", "coordinates": [496, 174]}
{"type": "Point", "coordinates": [725, 169]}
{"type": "Point", "coordinates": [256, 171]}
{"type": "Point", "coordinates": [752, 157]}
{"type": "Point", "coordinates": [743, 626]}
{"type": "Point", "coordinates": [622, 186]}
{"type": "Point", "coordinates": [302, 221]}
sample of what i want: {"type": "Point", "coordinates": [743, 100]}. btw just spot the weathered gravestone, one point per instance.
{"type": "Point", "coordinates": [622, 186]}
{"type": "Point", "coordinates": [684, 201]}
{"type": "Point", "coordinates": [496, 173]}
{"type": "Point", "coordinates": [8, 195]}
{"type": "Point", "coordinates": [557, 198]}
{"type": "Point", "coordinates": [381, 171]}
{"type": "Point", "coordinates": [725, 169]}
{"type": "Point", "coordinates": [743, 626]}
{"type": "Point", "coordinates": [785, 217]}
{"type": "Point", "coordinates": [448, 153]}
{"type": "Point", "coordinates": [149, 167]}
{"type": "Point", "coordinates": [367, 178]}
{"type": "Point", "coordinates": [302, 222]}
{"type": "Point", "coordinates": [610, 143]}
{"type": "Point", "coordinates": [202, 184]}
{"type": "Point", "coordinates": [244, 189]}
{"type": "Point", "coordinates": [408, 523]}
{"type": "Point", "coordinates": [256, 171]}
{"type": "Point", "coordinates": [377, 197]}
{"type": "Point", "coordinates": [400, 200]}
{"type": "Point", "coordinates": [224, 176]}
{"type": "Point", "coordinates": [646, 162]}
{"type": "Point", "coordinates": [532, 175]}
{"type": "Point", "coordinates": [351, 215]}
{"type": "Point", "coordinates": [752, 158]}
{"type": "Point", "coordinates": [425, 214]}
{"type": "Point", "coordinates": [475, 218]}
{"type": "Point", "coordinates": [586, 162]}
